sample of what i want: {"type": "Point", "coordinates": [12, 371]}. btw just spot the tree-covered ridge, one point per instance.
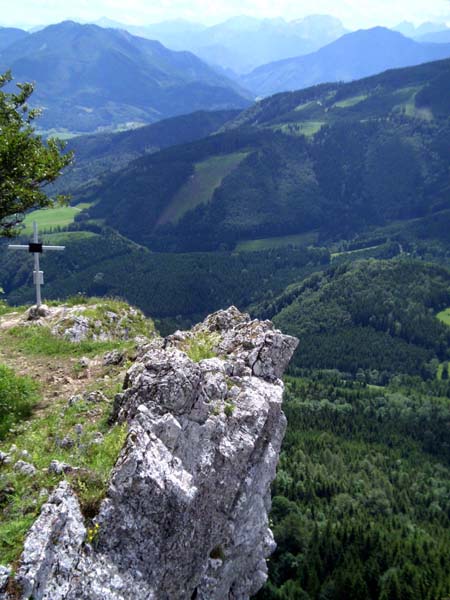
{"type": "Point", "coordinates": [99, 155]}
{"type": "Point", "coordinates": [361, 499]}
{"type": "Point", "coordinates": [367, 315]}
{"type": "Point", "coordinates": [375, 152]}
{"type": "Point", "coordinates": [331, 101]}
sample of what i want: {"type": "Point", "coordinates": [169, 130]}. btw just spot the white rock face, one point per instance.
{"type": "Point", "coordinates": [186, 513]}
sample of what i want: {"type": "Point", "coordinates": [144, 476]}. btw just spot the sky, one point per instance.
{"type": "Point", "coordinates": [353, 13]}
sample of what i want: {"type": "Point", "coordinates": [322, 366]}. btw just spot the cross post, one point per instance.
{"type": "Point", "coordinates": [36, 248]}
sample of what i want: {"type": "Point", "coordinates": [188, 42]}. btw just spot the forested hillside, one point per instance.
{"type": "Point", "coordinates": [91, 79]}
{"type": "Point", "coordinates": [336, 160]}
{"type": "Point", "coordinates": [361, 499]}
{"type": "Point", "coordinates": [376, 318]}
{"type": "Point", "coordinates": [101, 154]}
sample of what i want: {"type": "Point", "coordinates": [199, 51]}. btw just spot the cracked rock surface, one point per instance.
{"type": "Point", "coordinates": [186, 512]}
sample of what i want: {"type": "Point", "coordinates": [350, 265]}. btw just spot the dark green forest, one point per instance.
{"type": "Point", "coordinates": [361, 502]}
{"type": "Point", "coordinates": [373, 317]}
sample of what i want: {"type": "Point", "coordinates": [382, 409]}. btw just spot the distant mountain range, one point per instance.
{"type": "Point", "coordinates": [410, 30]}
{"type": "Point", "coordinates": [353, 56]}
{"type": "Point", "coordinates": [242, 43]}
{"type": "Point", "coordinates": [88, 78]}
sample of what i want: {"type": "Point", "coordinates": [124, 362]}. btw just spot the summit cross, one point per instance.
{"type": "Point", "coordinates": [36, 247]}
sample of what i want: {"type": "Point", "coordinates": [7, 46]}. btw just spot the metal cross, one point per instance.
{"type": "Point", "coordinates": [36, 247]}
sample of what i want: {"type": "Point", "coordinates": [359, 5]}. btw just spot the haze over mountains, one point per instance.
{"type": "Point", "coordinates": [353, 56]}
{"type": "Point", "coordinates": [243, 43]}
{"type": "Point", "coordinates": [88, 78]}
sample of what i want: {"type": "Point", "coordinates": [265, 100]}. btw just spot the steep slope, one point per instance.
{"type": "Point", "coordinates": [185, 512]}
{"type": "Point", "coordinates": [353, 56]}
{"type": "Point", "coordinates": [89, 78]}
{"type": "Point", "coordinates": [103, 153]}
{"type": "Point", "coordinates": [9, 35]}
{"type": "Point", "coordinates": [334, 160]}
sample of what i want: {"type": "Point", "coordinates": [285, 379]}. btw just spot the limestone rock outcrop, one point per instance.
{"type": "Point", "coordinates": [186, 512]}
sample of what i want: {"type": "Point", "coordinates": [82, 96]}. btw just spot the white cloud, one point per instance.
{"type": "Point", "coordinates": [354, 13]}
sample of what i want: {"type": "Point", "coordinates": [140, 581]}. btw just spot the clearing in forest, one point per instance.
{"type": "Point", "coordinates": [200, 187]}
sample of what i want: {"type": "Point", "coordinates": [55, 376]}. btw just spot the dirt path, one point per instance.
{"type": "Point", "coordinates": [58, 376]}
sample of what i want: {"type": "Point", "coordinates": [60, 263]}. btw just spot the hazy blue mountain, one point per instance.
{"type": "Point", "coordinates": [353, 56]}
{"type": "Point", "coordinates": [89, 78]}
{"type": "Point", "coordinates": [406, 28]}
{"type": "Point", "coordinates": [242, 43]}
{"type": "Point", "coordinates": [410, 30]}
{"type": "Point", "coordinates": [9, 35]}
{"type": "Point", "coordinates": [429, 27]}
{"type": "Point", "coordinates": [438, 37]}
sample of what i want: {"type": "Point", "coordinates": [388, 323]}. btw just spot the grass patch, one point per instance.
{"type": "Point", "coordinates": [18, 395]}
{"type": "Point", "coordinates": [48, 218]}
{"type": "Point", "coordinates": [39, 341]}
{"type": "Point", "coordinates": [20, 495]}
{"type": "Point", "coordinates": [115, 317]}
{"type": "Point", "coordinates": [200, 188]}
{"type": "Point", "coordinates": [444, 316]}
{"type": "Point", "coordinates": [201, 346]}
{"type": "Point", "coordinates": [347, 102]}
{"type": "Point", "coordinates": [300, 239]}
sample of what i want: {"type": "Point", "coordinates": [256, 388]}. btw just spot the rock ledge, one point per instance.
{"type": "Point", "coordinates": [186, 512]}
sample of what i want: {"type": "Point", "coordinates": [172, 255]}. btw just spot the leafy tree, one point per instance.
{"type": "Point", "coordinates": [26, 162]}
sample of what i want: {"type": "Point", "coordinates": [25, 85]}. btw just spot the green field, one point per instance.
{"type": "Point", "coordinates": [48, 218]}
{"type": "Point", "coordinates": [200, 188]}
{"type": "Point", "coordinates": [350, 101]}
{"type": "Point", "coordinates": [299, 239]}
{"type": "Point", "coordinates": [444, 316]}
{"type": "Point", "coordinates": [306, 105]}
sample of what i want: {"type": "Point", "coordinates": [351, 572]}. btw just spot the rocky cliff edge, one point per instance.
{"type": "Point", "coordinates": [186, 512]}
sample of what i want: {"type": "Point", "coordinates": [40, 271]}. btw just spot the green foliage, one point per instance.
{"type": "Point", "coordinates": [444, 316]}
{"type": "Point", "coordinates": [201, 346]}
{"type": "Point", "coordinates": [26, 163]}
{"type": "Point", "coordinates": [18, 395]}
{"type": "Point", "coordinates": [361, 498]}
{"type": "Point", "coordinates": [20, 499]}
{"type": "Point", "coordinates": [200, 187]}
{"type": "Point", "coordinates": [37, 340]}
